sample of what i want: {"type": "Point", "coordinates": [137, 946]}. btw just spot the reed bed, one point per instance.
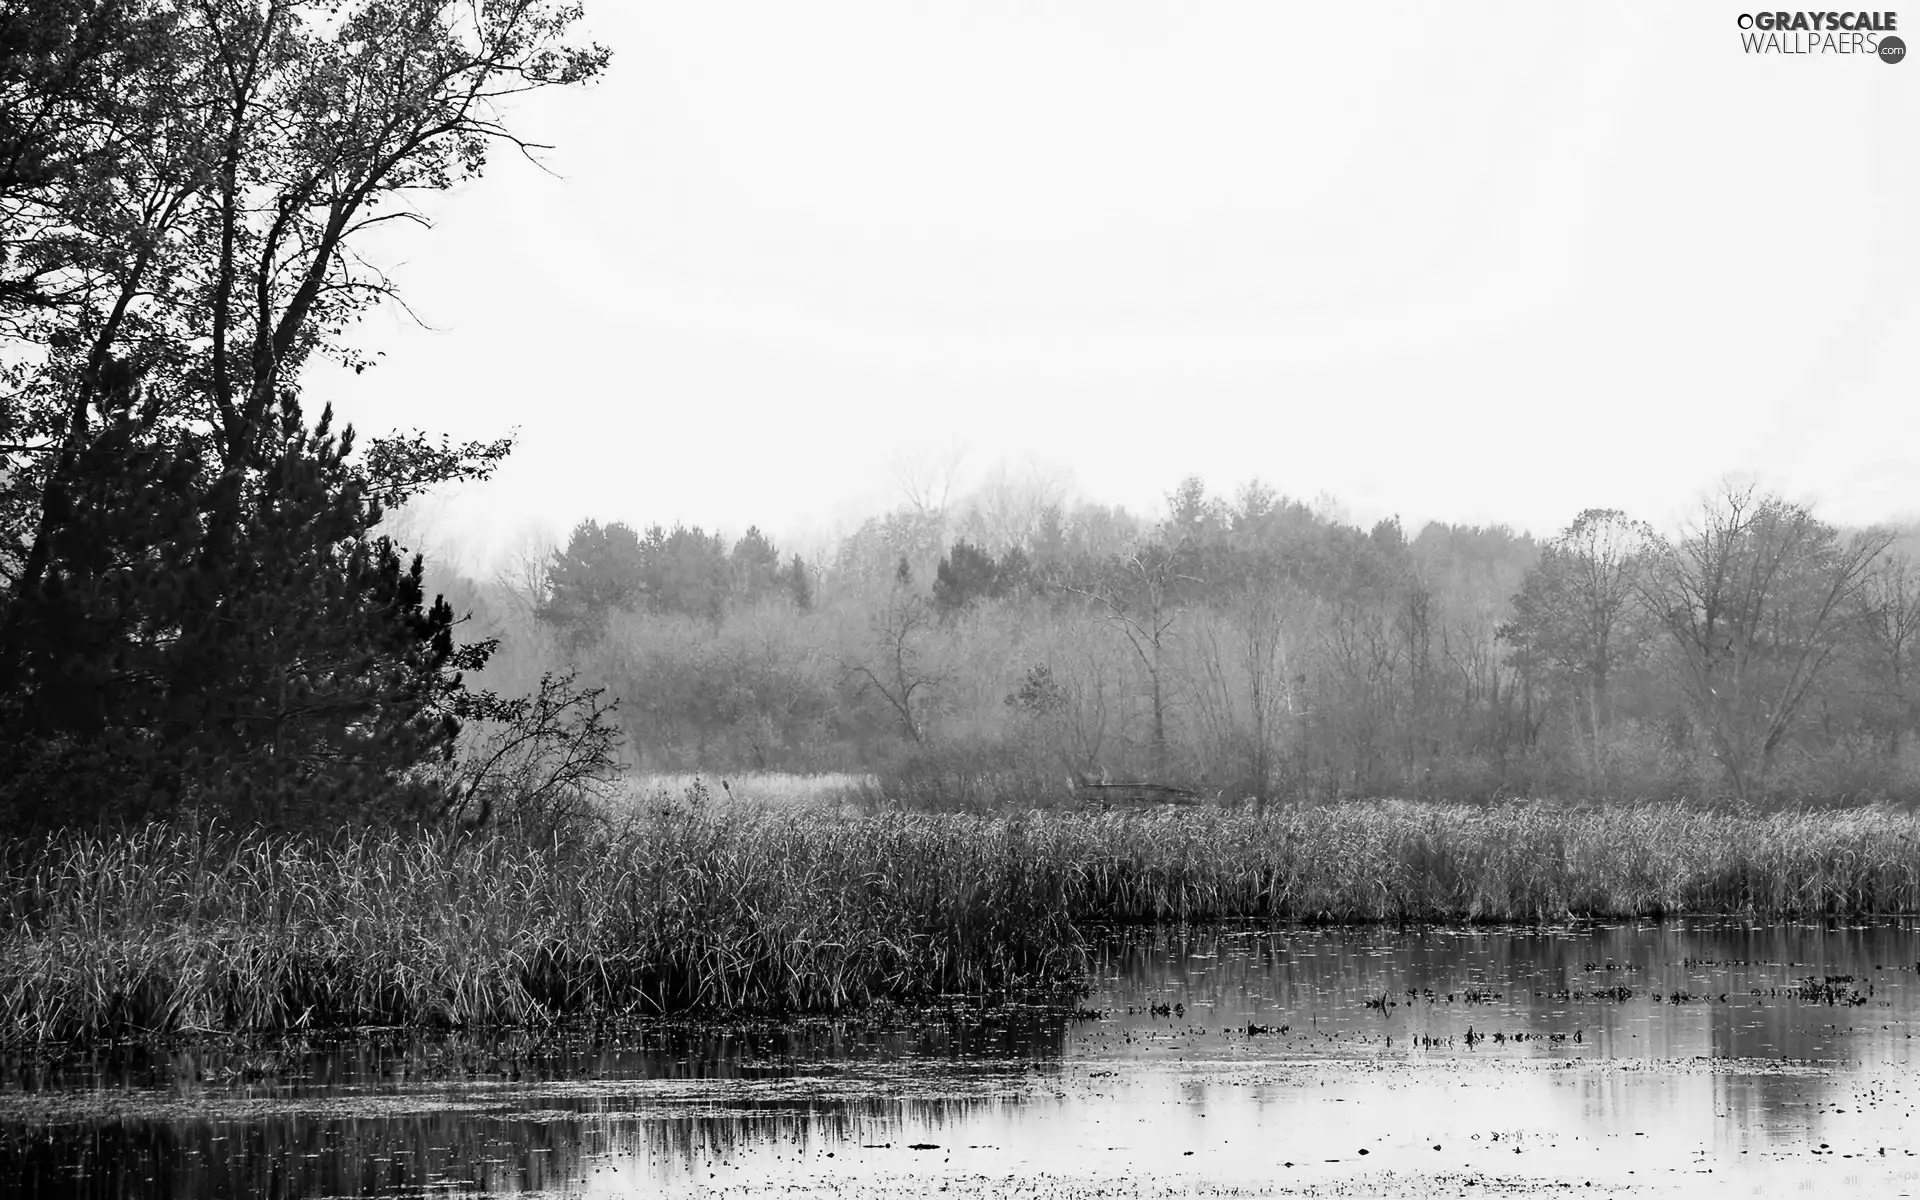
{"type": "Point", "coordinates": [1404, 861]}
{"type": "Point", "coordinates": [731, 910]}
{"type": "Point", "coordinates": [741, 907]}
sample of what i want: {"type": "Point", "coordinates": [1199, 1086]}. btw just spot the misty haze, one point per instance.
{"type": "Point", "coordinates": [868, 600]}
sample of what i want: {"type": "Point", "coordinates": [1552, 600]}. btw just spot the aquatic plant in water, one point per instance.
{"type": "Point", "coordinates": [708, 908]}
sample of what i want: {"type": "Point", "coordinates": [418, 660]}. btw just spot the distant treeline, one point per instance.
{"type": "Point", "coordinates": [1252, 647]}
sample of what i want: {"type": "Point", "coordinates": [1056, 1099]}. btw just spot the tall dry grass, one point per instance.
{"type": "Point", "coordinates": [688, 910]}
{"type": "Point", "coordinates": [1411, 861]}
{"type": "Point", "coordinates": [695, 906]}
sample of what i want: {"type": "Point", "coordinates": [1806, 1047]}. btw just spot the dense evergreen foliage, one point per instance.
{"type": "Point", "coordinates": [278, 662]}
{"type": "Point", "coordinates": [198, 611]}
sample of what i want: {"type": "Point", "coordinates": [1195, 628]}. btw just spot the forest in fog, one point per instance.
{"type": "Point", "coordinates": [207, 613]}
{"type": "Point", "coordinates": [1245, 646]}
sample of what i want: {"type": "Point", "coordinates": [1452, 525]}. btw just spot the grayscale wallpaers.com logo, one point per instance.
{"type": "Point", "coordinates": [1863, 33]}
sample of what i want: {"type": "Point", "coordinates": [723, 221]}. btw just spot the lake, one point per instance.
{"type": "Point", "coordinates": [1675, 1058]}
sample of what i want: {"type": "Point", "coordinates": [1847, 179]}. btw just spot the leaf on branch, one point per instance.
{"type": "Point", "coordinates": [402, 466]}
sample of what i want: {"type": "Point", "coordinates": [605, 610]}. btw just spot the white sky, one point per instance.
{"type": "Point", "coordinates": [1458, 262]}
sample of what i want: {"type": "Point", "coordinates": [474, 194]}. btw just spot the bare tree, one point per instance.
{"type": "Point", "coordinates": [1245, 691]}
{"type": "Point", "coordinates": [523, 570]}
{"type": "Point", "coordinates": [1066, 699]}
{"type": "Point", "coordinates": [1141, 595]}
{"type": "Point", "coordinates": [1006, 510]}
{"type": "Point", "coordinates": [1890, 622]}
{"type": "Point", "coordinates": [1752, 596]}
{"type": "Point", "coordinates": [775, 658]}
{"type": "Point", "coordinates": [925, 479]}
{"type": "Point", "coordinates": [541, 760]}
{"type": "Point", "coordinates": [895, 662]}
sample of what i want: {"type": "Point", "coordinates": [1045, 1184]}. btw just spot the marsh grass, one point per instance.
{"type": "Point", "coordinates": [704, 906]}
{"type": "Point", "coordinates": [689, 908]}
{"type": "Point", "coordinates": [1403, 861]}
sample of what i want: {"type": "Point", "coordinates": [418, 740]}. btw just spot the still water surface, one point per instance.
{"type": "Point", "coordinates": [1684, 1058]}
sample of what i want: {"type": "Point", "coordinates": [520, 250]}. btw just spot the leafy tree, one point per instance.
{"type": "Point", "coordinates": [1049, 541]}
{"type": "Point", "coordinates": [966, 574]}
{"type": "Point", "coordinates": [1014, 575]}
{"type": "Point", "coordinates": [799, 578]}
{"type": "Point", "coordinates": [1191, 516]}
{"type": "Point", "coordinates": [601, 571]}
{"type": "Point", "coordinates": [685, 571]}
{"type": "Point", "coordinates": [196, 608]}
{"type": "Point", "coordinates": [81, 102]}
{"type": "Point", "coordinates": [754, 566]}
{"type": "Point", "coordinates": [212, 253]}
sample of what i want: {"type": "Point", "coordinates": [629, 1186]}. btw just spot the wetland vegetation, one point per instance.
{"type": "Point", "coordinates": [697, 905]}
{"type": "Point", "coordinates": [270, 776]}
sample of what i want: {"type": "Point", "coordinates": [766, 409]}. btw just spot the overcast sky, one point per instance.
{"type": "Point", "coordinates": [1452, 261]}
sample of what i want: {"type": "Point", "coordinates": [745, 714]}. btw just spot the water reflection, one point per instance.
{"type": "Point", "coordinates": [1615, 1054]}
{"type": "Point", "coordinates": [1714, 990]}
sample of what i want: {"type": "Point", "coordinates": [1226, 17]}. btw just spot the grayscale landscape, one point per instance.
{"type": "Point", "coordinates": [871, 600]}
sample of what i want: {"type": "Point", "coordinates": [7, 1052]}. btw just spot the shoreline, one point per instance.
{"type": "Point", "coordinates": [754, 909]}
